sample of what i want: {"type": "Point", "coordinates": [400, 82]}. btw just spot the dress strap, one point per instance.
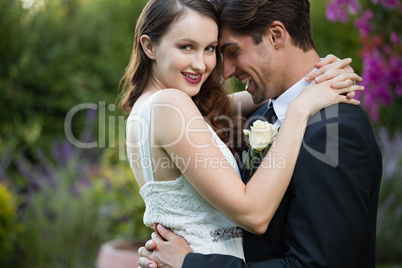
{"type": "Point", "coordinates": [143, 133]}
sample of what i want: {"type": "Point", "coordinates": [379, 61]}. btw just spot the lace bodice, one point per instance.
{"type": "Point", "coordinates": [178, 206]}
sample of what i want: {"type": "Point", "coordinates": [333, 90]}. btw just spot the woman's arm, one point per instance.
{"type": "Point", "coordinates": [327, 68]}
{"type": "Point", "coordinates": [182, 132]}
{"type": "Point", "coordinates": [243, 104]}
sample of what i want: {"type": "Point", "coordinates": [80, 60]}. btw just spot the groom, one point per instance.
{"type": "Point", "coordinates": [327, 217]}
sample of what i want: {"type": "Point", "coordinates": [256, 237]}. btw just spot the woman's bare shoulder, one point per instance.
{"type": "Point", "coordinates": [174, 101]}
{"type": "Point", "coordinates": [172, 110]}
{"type": "Point", "coordinates": [172, 96]}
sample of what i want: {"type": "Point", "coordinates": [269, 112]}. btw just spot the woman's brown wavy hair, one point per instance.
{"type": "Point", "coordinates": [212, 101]}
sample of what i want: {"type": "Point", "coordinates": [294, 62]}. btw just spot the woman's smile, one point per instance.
{"type": "Point", "coordinates": [192, 78]}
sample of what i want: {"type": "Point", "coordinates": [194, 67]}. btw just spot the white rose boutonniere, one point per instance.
{"type": "Point", "coordinates": [259, 138]}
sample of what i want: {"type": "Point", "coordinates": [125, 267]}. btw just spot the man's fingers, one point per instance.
{"type": "Point", "coordinates": [156, 237]}
{"type": "Point", "coordinates": [156, 227]}
{"type": "Point", "coordinates": [145, 258]}
{"type": "Point", "coordinates": [165, 233]}
{"type": "Point", "coordinates": [150, 245]}
{"type": "Point", "coordinates": [143, 252]}
{"type": "Point", "coordinates": [146, 263]}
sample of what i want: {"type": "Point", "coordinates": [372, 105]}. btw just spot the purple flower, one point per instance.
{"type": "Point", "coordinates": [331, 12]}
{"type": "Point", "coordinates": [354, 7]}
{"type": "Point", "coordinates": [391, 149]}
{"type": "Point", "coordinates": [62, 152]}
{"type": "Point", "coordinates": [394, 38]}
{"type": "Point", "coordinates": [398, 90]}
{"type": "Point", "coordinates": [363, 23]}
{"type": "Point", "coordinates": [339, 10]}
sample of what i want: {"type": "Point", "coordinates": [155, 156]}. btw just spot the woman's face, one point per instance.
{"type": "Point", "coordinates": [186, 55]}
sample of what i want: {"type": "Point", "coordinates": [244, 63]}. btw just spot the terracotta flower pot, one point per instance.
{"type": "Point", "coordinates": [118, 254]}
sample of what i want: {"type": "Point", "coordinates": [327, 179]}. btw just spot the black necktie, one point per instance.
{"type": "Point", "coordinates": [270, 114]}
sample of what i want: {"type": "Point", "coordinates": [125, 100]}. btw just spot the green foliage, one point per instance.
{"type": "Point", "coordinates": [57, 56]}
{"type": "Point", "coordinates": [390, 117]}
{"type": "Point", "coordinates": [389, 231]}
{"type": "Point", "coordinates": [54, 57]}
{"type": "Point", "coordinates": [339, 39]}
{"type": "Point", "coordinates": [70, 208]}
{"type": "Point", "coordinates": [124, 205]}
{"type": "Point", "coordinates": [62, 229]}
{"type": "Point", "coordinates": [9, 226]}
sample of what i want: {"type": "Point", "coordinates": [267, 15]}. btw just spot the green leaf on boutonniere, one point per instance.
{"type": "Point", "coordinates": [245, 159]}
{"type": "Point", "coordinates": [254, 153]}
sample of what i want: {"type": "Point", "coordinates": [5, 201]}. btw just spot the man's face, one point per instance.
{"type": "Point", "coordinates": [250, 63]}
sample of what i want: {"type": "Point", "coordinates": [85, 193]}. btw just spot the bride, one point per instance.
{"type": "Point", "coordinates": [181, 131]}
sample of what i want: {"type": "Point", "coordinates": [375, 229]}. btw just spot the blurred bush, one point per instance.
{"type": "Point", "coordinates": [389, 227]}
{"type": "Point", "coordinates": [73, 201]}
{"type": "Point", "coordinates": [378, 24]}
{"type": "Point", "coordinates": [55, 55]}
{"type": "Point", "coordinates": [342, 40]}
{"type": "Point", "coordinates": [10, 228]}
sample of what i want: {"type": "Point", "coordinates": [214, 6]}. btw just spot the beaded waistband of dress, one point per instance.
{"type": "Point", "coordinates": [225, 234]}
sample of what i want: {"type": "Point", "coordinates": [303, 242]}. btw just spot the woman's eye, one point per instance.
{"type": "Point", "coordinates": [186, 48]}
{"type": "Point", "coordinates": [210, 49]}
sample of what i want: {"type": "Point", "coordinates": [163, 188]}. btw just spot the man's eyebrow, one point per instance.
{"type": "Point", "coordinates": [222, 49]}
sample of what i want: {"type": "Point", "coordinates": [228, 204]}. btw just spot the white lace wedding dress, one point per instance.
{"type": "Point", "coordinates": [178, 206]}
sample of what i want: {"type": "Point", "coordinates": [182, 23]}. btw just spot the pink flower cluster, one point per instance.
{"type": "Point", "coordinates": [339, 10]}
{"type": "Point", "coordinates": [364, 23]}
{"type": "Point", "coordinates": [381, 52]}
{"type": "Point", "coordinates": [382, 78]}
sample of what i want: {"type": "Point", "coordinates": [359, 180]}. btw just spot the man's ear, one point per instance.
{"type": "Point", "coordinates": [277, 34]}
{"type": "Point", "coordinates": [147, 46]}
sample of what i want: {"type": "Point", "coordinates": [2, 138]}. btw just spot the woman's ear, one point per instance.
{"type": "Point", "coordinates": [147, 46]}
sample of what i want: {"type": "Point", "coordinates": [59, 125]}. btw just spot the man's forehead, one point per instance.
{"type": "Point", "coordinates": [227, 38]}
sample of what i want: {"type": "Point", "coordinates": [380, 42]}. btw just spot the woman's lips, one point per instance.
{"type": "Point", "coordinates": [192, 78]}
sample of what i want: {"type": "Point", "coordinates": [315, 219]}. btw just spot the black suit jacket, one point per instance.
{"type": "Point", "coordinates": [327, 217]}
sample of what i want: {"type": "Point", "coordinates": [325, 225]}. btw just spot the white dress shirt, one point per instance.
{"type": "Point", "coordinates": [281, 104]}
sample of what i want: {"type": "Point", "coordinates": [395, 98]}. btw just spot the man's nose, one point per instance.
{"type": "Point", "coordinates": [229, 68]}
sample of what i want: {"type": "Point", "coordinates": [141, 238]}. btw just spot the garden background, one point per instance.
{"type": "Point", "coordinates": [61, 62]}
